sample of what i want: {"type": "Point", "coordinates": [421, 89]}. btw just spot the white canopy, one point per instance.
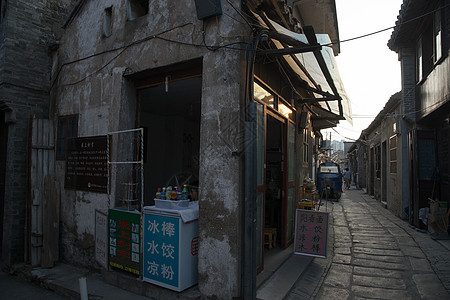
{"type": "Point", "coordinates": [313, 74]}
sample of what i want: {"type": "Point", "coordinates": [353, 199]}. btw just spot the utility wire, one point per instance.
{"type": "Point", "coordinates": [211, 47]}
{"type": "Point", "coordinates": [389, 28]}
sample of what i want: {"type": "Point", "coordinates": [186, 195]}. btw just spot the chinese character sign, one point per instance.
{"type": "Point", "coordinates": [311, 233]}
{"type": "Point", "coordinates": [161, 249]}
{"type": "Point", "coordinates": [124, 240]}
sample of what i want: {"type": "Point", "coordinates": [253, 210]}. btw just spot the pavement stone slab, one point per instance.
{"type": "Point", "coordinates": [378, 264]}
{"type": "Point", "coordinates": [380, 240]}
{"type": "Point", "coordinates": [342, 259]}
{"type": "Point", "coordinates": [380, 293]}
{"type": "Point", "coordinates": [430, 287]}
{"type": "Point", "coordinates": [345, 249]}
{"type": "Point", "coordinates": [332, 293]}
{"type": "Point", "coordinates": [386, 273]}
{"type": "Point", "coordinates": [381, 282]}
{"type": "Point", "coordinates": [419, 264]}
{"type": "Point", "coordinates": [339, 276]}
{"type": "Point", "coordinates": [376, 251]}
{"type": "Point", "coordinates": [376, 245]}
{"type": "Point", "coordinates": [413, 252]}
{"type": "Point", "coordinates": [406, 241]}
{"type": "Point", "coordinates": [382, 258]}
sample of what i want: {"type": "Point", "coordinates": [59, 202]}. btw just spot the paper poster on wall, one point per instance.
{"type": "Point", "coordinates": [311, 233]}
{"type": "Point", "coordinates": [101, 238]}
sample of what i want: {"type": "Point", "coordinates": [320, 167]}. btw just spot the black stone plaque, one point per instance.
{"type": "Point", "coordinates": [86, 167]}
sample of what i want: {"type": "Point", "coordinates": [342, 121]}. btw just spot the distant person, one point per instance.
{"type": "Point", "coordinates": [347, 176]}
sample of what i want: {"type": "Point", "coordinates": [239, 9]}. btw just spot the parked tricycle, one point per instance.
{"type": "Point", "coordinates": [329, 181]}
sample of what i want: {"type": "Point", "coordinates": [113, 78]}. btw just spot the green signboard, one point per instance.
{"type": "Point", "coordinates": [124, 232]}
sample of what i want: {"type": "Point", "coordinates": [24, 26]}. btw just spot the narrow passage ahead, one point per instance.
{"type": "Point", "coordinates": [375, 255]}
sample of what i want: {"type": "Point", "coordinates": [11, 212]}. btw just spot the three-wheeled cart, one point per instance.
{"type": "Point", "coordinates": [329, 181]}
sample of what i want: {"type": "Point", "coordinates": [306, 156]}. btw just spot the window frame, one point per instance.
{"type": "Point", "coordinates": [378, 161]}
{"type": "Point", "coordinates": [437, 36]}
{"type": "Point", "coordinates": [419, 60]}
{"type": "Point", "coordinates": [430, 46]}
{"type": "Point", "coordinates": [393, 145]}
{"type": "Point", "coordinates": [305, 146]}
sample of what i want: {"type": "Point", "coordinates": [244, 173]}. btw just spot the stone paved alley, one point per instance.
{"type": "Point", "coordinates": [375, 255]}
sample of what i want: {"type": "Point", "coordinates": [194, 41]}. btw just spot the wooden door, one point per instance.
{"type": "Point", "coordinates": [43, 204]}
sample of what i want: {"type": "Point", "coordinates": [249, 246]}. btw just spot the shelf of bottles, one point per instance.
{"type": "Point", "coordinates": [169, 197]}
{"type": "Point", "coordinates": [307, 195]}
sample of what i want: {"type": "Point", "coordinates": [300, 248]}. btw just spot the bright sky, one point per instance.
{"type": "Point", "coordinates": [369, 70]}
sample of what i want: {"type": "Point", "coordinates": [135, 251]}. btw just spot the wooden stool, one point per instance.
{"type": "Point", "coordinates": [270, 237]}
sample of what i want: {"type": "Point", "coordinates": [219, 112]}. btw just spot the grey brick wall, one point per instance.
{"type": "Point", "coordinates": [26, 32]}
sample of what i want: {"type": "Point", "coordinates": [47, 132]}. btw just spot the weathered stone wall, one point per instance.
{"type": "Point", "coordinates": [91, 84]}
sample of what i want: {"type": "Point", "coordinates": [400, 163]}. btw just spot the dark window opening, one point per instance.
{"type": "Point", "coordinates": [67, 128]}
{"type": "Point", "coordinates": [107, 22]}
{"type": "Point", "coordinates": [3, 4]}
{"type": "Point", "coordinates": [136, 9]}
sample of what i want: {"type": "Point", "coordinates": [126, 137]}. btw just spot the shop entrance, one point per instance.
{"type": "Point", "coordinates": [273, 228]}
{"type": "Point", "coordinates": [170, 116]}
{"type": "Point", "coordinates": [275, 189]}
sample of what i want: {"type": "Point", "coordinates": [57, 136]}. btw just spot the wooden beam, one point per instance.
{"type": "Point", "coordinates": [289, 51]}
{"type": "Point", "coordinates": [314, 100]}
{"type": "Point", "coordinates": [312, 40]}
{"type": "Point", "coordinates": [284, 38]}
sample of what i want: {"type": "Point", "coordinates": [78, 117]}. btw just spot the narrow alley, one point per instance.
{"type": "Point", "coordinates": [375, 255]}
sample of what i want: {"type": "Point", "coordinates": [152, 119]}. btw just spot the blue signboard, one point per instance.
{"type": "Point", "coordinates": [161, 249]}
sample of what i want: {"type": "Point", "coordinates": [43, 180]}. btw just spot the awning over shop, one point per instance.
{"type": "Point", "coordinates": [311, 57]}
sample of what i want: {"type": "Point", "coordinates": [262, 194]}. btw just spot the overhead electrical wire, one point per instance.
{"type": "Point", "coordinates": [210, 47]}
{"type": "Point", "coordinates": [388, 28]}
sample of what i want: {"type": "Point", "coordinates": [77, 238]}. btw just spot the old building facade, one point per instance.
{"type": "Point", "coordinates": [380, 159]}
{"type": "Point", "coordinates": [225, 95]}
{"type": "Point", "coordinates": [406, 148]}
{"type": "Point", "coordinates": [423, 46]}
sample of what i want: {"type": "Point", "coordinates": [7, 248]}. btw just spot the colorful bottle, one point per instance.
{"type": "Point", "coordinates": [174, 193]}
{"type": "Point", "coordinates": [169, 193]}
{"type": "Point", "coordinates": [179, 194]}
{"type": "Point", "coordinates": [158, 194]}
{"type": "Point", "coordinates": [185, 193]}
{"type": "Point", "coordinates": [163, 194]}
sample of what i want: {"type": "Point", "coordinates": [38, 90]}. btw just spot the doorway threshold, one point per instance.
{"type": "Point", "coordinates": [281, 271]}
